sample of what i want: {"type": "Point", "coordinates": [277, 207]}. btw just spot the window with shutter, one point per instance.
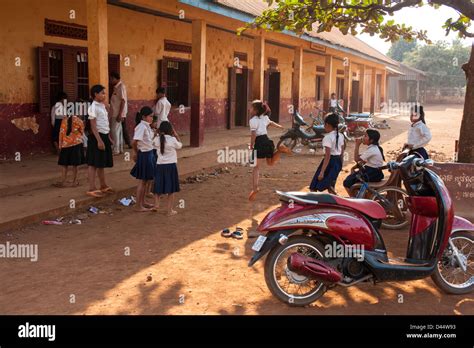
{"type": "Point", "coordinates": [44, 101]}
{"type": "Point", "coordinates": [70, 74]}
{"type": "Point", "coordinates": [114, 66]}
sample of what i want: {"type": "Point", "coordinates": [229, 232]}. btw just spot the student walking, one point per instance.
{"type": "Point", "coordinates": [419, 134]}
{"type": "Point", "coordinates": [145, 161]}
{"type": "Point", "coordinates": [99, 146]}
{"type": "Point", "coordinates": [70, 148]}
{"type": "Point", "coordinates": [333, 143]}
{"type": "Point", "coordinates": [118, 111]}
{"type": "Point", "coordinates": [373, 158]}
{"type": "Point", "coordinates": [261, 144]}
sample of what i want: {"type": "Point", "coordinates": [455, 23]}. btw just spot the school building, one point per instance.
{"type": "Point", "coordinates": [188, 46]}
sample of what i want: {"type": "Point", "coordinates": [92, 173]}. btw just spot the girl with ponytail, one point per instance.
{"type": "Point", "coordinates": [333, 143]}
{"type": "Point", "coordinates": [260, 143]}
{"type": "Point", "coordinates": [144, 169]}
{"type": "Point", "coordinates": [166, 173]}
{"type": "Point", "coordinates": [373, 158]}
{"type": "Point", "coordinates": [419, 134]}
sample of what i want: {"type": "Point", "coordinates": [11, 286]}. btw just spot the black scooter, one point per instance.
{"type": "Point", "coordinates": [311, 137]}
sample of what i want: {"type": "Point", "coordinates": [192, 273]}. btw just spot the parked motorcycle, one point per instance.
{"type": "Point", "coordinates": [316, 241]}
{"type": "Point", "coordinates": [311, 137]}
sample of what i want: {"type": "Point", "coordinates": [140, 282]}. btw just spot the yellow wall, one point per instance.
{"type": "Point", "coordinates": [285, 58]}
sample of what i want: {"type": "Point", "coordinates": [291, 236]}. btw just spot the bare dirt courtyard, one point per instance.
{"type": "Point", "coordinates": [123, 262]}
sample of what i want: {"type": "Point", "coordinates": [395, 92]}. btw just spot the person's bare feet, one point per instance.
{"type": "Point", "coordinates": [172, 212]}
{"type": "Point", "coordinates": [142, 209]}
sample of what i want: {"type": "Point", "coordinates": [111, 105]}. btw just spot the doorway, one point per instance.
{"type": "Point", "coordinates": [240, 85]}
{"type": "Point", "coordinates": [272, 93]}
{"type": "Point", "coordinates": [354, 105]}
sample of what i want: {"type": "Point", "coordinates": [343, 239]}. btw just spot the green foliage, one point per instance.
{"type": "Point", "coordinates": [400, 48]}
{"type": "Point", "coordinates": [442, 62]}
{"type": "Point", "coordinates": [350, 16]}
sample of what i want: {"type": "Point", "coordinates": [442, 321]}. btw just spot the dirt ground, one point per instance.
{"type": "Point", "coordinates": [122, 262]}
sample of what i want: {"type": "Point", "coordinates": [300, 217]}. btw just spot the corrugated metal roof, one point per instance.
{"type": "Point", "coordinates": [256, 7]}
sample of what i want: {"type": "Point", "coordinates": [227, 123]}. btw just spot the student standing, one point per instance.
{"type": "Point", "coordinates": [333, 143]}
{"type": "Point", "coordinates": [118, 111]}
{"type": "Point", "coordinates": [333, 103]}
{"type": "Point", "coordinates": [166, 172]}
{"type": "Point", "coordinates": [419, 134]}
{"type": "Point", "coordinates": [162, 107]}
{"type": "Point", "coordinates": [260, 143]}
{"type": "Point", "coordinates": [373, 158]}
{"type": "Point", "coordinates": [99, 146]}
{"type": "Point", "coordinates": [58, 113]}
{"type": "Point", "coordinates": [145, 162]}
{"type": "Point", "coordinates": [70, 147]}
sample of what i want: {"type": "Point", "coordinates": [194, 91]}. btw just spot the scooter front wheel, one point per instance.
{"type": "Point", "coordinates": [449, 274]}
{"type": "Point", "coordinates": [290, 287]}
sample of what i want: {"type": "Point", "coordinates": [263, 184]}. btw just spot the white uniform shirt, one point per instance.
{"type": "Point", "coordinates": [169, 155]}
{"type": "Point", "coordinates": [120, 92]}
{"type": "Point", "coordinates": [333, 103]}
{"type": "Point", "coordinates": [58, 111]}
{"type": "Point", "coordinates": [419, 135]}
{"type": "Point", "coordinates": [162, 109]}
{"type": "Point", "coordinates": [98, 112]}
{"type": "Point", "coordinates": [372, 156]}
{"type": "Point", "coordinates": [329, 140]}
{"type": "Point", "coordinates": [259, 124]}
{"type": "Point", "coordinates": [144, 136]}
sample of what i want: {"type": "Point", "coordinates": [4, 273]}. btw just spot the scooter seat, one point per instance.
{"type": "Point", "coordinates": [365, 206]}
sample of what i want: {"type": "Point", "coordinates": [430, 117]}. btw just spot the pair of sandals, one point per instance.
{"type": "Point", "coordinates": [100, 193]}
{"type": "Point", "coordinates": [237, 234]}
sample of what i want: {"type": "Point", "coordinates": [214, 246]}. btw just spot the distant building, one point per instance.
{"type": "Point", "coordinates": [406, 84]}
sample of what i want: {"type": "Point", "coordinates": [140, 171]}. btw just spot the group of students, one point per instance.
{"type": "Point", "coordinates": [333, 143]}
{"type": "Point", "coordinates": [154, 144]}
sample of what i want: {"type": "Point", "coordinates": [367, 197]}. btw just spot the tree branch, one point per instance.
{"type": "Point", "coordinates": [466, 7]}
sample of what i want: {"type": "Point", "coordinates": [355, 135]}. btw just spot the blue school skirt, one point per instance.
{"type": "Point", "coordinates": [420, 152]}
{"type": "Point", "coordinates": [330, 175]}
{"type": "Point", "coordinates": [144, 168]}
{"type": "Point", "coordinates": [166, 179]}
{"type": "Point", "coordinates": [369, 174]}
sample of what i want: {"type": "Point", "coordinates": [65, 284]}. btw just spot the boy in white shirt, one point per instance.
{"type": "Point", "coordinates": [162, 107]}
{"type": "Point", "coordinates": [373, 158]}
{"type": "Point", "coordinates": [118, 110]}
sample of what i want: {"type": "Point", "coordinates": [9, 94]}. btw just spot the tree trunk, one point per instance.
{"type": "Point", "coordinates": [466, 138]}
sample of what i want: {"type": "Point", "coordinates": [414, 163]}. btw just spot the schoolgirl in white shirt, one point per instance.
{"type": "Point", "coordinates": [144, 169]}
{"type": "Point", "coordinates": [260, 144]}
{"type": "Point", "coordinates": [419, 134]}
{"type": "Point", "coordinates": [166, 173]}
{"type": "Point", "coordinates": [373, 158]}
{"type": "Point", "coordinates": [333, 143]}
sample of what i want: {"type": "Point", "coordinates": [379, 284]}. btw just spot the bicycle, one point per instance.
{"type": "Point", "coordinates": [388, 193]}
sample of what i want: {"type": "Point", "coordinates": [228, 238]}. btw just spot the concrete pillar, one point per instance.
{"type": "Point", "coordinates": [258, 67]}
{"type": "Point", "coordinates": [297, 76]}
{"type": "Point", "coordinates": [362, 81]}
{"type": "Point", "coordinates": [373, 82]}
{"type": "Point", "coordinates": [328, 87]}
{"type": "Point", "coordinates": [97, 44]}
{"type": "Point", "coordinates": [198, 82]}
{"type": "Point", "coordinates": [347, 85]}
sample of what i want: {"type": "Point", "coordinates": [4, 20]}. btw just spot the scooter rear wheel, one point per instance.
{"type": "Point", "coordinates": [448, 274]}
{"type": "Point", "coordinates": [289, 287]}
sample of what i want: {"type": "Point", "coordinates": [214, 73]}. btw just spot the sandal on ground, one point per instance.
{"type": "Point", "coordinates": [226, 233]}
{"type": "Point", "coordinates": [96, 193]}
{"type": "Point", "coordinates": [237, 235]}
{"type": "Point", "coordinates": [107, 189]}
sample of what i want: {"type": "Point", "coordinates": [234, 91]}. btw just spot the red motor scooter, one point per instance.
{"type": "Point", "coordinates": [316, 241]}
